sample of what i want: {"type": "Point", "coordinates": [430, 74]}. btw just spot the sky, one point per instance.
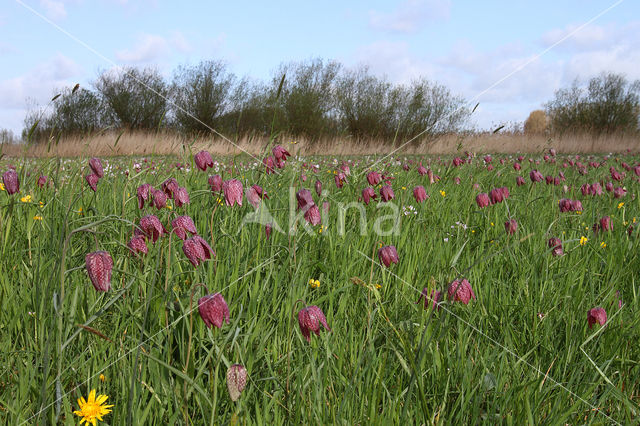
{"type": "Point", "coordinates": [510, 56]}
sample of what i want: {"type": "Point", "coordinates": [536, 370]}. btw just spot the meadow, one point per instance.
{"type": "Point", "coordinates": [514, 336]}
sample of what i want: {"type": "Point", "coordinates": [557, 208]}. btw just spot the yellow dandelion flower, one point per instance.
{"type": "Point", "coordinates": [443, 193]}
{"type": "Point", "coordinates": [316, 284]}
{"type": "Point", "coordinates": [583, 240]}
{"type": "Point", "coordinates": [26, 199]}
{"type": "Point", "coordinates": [620, 205]}
{"type": "Point", "coordinates": [311, 281]}
{"type": "Point", "coordinates": [603, 244]}
{"type": "Point", "coordinates": [92, 409]}
{"type": "Point", "coordinates": [1, 186]}
{"type": "Point", "coordinates": [37, 218]}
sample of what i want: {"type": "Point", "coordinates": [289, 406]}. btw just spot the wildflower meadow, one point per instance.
{"type": "Point", "coordinates": [386, 289]}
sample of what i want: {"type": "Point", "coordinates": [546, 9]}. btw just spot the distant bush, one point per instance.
{"type": "Point", "coordinates": [608, 105]}
{"type": "Point", "coordinates": [7, 137]}
{"type": "Point", "coordinates": [135, 99]}
{"type": "Point", "coordinates": [536, 123]}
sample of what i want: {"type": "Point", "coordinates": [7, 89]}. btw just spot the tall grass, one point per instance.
{"type": "Point", "coordinates": [521, 353]}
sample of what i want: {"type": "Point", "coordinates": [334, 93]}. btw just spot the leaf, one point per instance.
{"type": "Point", "coordinates": [75, 88]}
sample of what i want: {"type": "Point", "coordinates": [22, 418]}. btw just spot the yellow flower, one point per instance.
{"type": "Point", "coordinates": [583, 240]}
{"type": "Point", "coordinates": [41, 203]}
{"type": "Point", "coordinates": [314, 283]}
{"type": "Point", "coordinates": [634, 220]}
{"type": "Point", "coordinates": [491, 223]}
{"type": "Point", "coordinates": [80, 211]}
{"type": "Point", "coordinates": [620, 205]}
{"type": "Point", "coordinates": [102, 378]}
{"type": "Point", "coordinates": [578, 212]}
{"type": "Point", "coordinates": [1, 186]}
{"type": "Point", "coordinates": [92, 409]}
{"type": "Point", "coordinates": [37, 218]}
{"type": "Point", "coordinates": [404, 187]}
{"type": "Point", "coordinates": [603, 244]}
{"type": "Point", "coordinates": [26, 199]}
{"type": "Point", "coordinates": [378, 286]}
{"type": "Point", "coordinates": [169, 206]}
{"type": "Point", "coordinates": [442, 193]}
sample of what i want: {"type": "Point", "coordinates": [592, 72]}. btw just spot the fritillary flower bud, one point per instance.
{"type": "Point", "coordinates": [318, 187]}
{"type": "Point", "coordinates": [236, 380]}
{"type": "Point", "coordinates": [367, 194]}
{"type": "Point", "coordinates": [511, 226]}
{"type": "Point", "coordinates": [556, 246]}
{"type": "Point", "coordinates": [42, 181]}
{"type": "Point", "coordinates": [142, 193]}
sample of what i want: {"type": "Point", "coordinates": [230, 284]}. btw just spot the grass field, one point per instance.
{"type": "Point", "coordinates": [521, 352]}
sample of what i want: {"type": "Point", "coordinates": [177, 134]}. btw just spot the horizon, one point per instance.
{"type": "Point", "coordinates": [470, 47]}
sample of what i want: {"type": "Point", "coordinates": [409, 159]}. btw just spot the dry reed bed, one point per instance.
{"type": "Point", "coordinates": [168, 144]}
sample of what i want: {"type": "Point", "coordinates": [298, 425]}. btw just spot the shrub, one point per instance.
{"type": "Point", "coordinates": [609, 104]}
{"type": "Point", "coordinates": [135, 98]}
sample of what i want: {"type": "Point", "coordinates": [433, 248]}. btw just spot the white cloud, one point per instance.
{"type": "Point", "coordinates": [394, 60]}
{"type": "Point", "coordinates": [410, 15]}
{"type": "Point", "coordinates": [150, 48]}
{"type": "Point", "coordinates": [54, 10]}
{"type": "Point", "coordinates": [37, 85]}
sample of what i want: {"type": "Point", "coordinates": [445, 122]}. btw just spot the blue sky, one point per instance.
{"type": "Point", "coordinates": [466, 45]}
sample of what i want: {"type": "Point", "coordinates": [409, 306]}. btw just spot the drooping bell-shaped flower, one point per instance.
{"type": "Point", "coordinates": [420, 194]}
{"type": "Point", "coordinates": [203, 160]}
{"type": "Point", "coordinates": [181, 225]}
{"type": "Point", "coordinates": [99, 265]}
{"type": "Point", "coordinates": [367, 194]}
{"type": "Point", "coordinates": [434, 298]}
{"type": "Point", "coordinates": [197, 250]}
{"type": "Point", "coordinates": [137, 245]}
{"type": "Point", "coordinates": [310, 319]}
{"type": "Point", "coordinates": [215, 182]}
{"type": "Point", "coordinates": [596, 315]}
{"type": "Point", "coordinates": [181, 196]}
{"type": "Point", "coordinates": [11, 182]}
{"type": "Point", "coordinates": [169, 186]}
{"type": "Point", "coordinates": [388, 255]}
{"type": "Point", "coordinates": [92, 179]}
{"type": "Point", "coordinates": [152, 228]}
{"type": "Point", "coordinates": [142, 193]}
{"type": "Point", "coordinates": [213, 310]}
{"type": "Point", "coordinates": [96, 167]}
{"type": "Point", "coordinates": [461, 291]}
{"type": "Point", "coordinates": [232, 192]}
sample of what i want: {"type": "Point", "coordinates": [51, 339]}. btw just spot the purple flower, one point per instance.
{"type": "Point", "coordinates": [137, 245]}
{"type": "Point", "coordinates": [197, 250]}
{"type": "Point", "coordinates": [213, 310]}
{"type": "Point", "coordinates": [496, 195]}
{"type": "Point", "coordinates": [96, 167]}
{"type": "Point", "coordinates": [535, 176]}
{"type": "Point", "coordinates": [42, 181]}
{"type": "Point", "coordinates": [619, 192]}
{"type": "Point", "coordinates": [511, 226]}
{"type": "Point", "coordinates": [421, 170]}
{"type": "Point", "coordinates": [461, 291]}
{"type": "Point", "coordinates": [152, 228]}
{"type": "Point", "coordinates": [280, 153]}
{"type": "Point", "coordinates": [312, 215]}
{"type": "Point", "coordinates": [309, 319]}
{"type": "Point", "coordinates": [232, 192]}
{"type": "Point", "coordinates": [304, 199]}
{"type": "Point", "coordinates": [374, 178]}
{"type": "Point", "coordinates": [596, 315]}
{"type": "Point", "coordinates": [269, 163]}
{"type": "Point", "coordinates": [340, 179]}
{"type": "Point", "coordinates": [92, 180]}
{"type": "Point", "coordinates": [159, 199]}
{"type": "Point", "coordinates": [386, 193]}
{"type": "Point", "coordinates": [388, 255]}
{"type": "Point", "coordinates": [255, 194]}
{"type": "Point", "coordinates": [203, 160]}
{"type": "Point", "coordinates": [215, 182]}
{"type": "Point", "coordinates": [143, 194]}
{"type": "Point", "coordinates": [318, 187]}
{"type": "Point", "coordinates": [556, 246]}
{"type": "Point", "coordinates": [181, 225]}
{"type": "Point", "coordinates": [236, 380]}
{"type": "Point", "coordinates": [367, 194]}
{"type": "Point", "coordinates": [520, 181]}
{"type": "Point", "coordinates": [482, 200]}
{"type": "Point", "coordinates": [169, 186]}
{"type": "Point", "coordinates": [420, 194]}
{"type": "Point", "coordinates": [181, 196]}
{"type": "Point", "coordinates": [99, 265]}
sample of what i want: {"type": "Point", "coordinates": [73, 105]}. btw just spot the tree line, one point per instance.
{"type": "Point", "coordinates": [313, 99]}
